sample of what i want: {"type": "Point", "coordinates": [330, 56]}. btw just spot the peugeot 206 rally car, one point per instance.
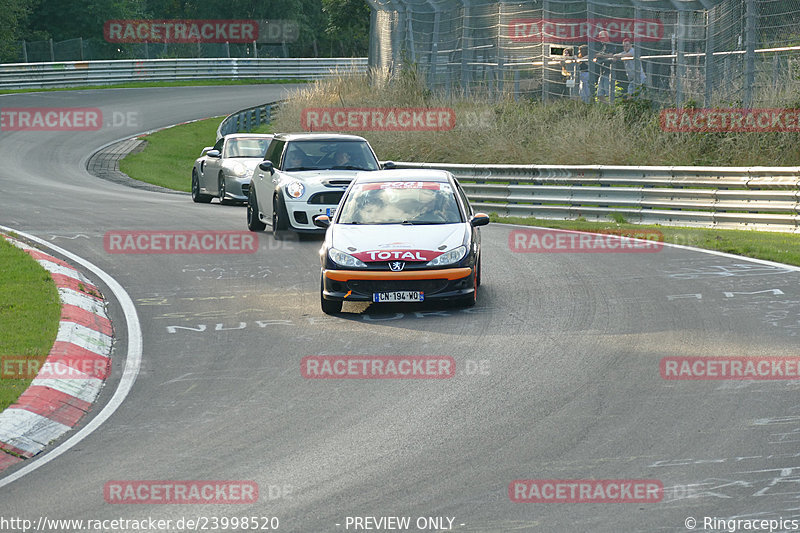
{"type": "Point", "coordinates": [401, 236]}
{"type": "Point", "coordinates": [223, 171]}
{"type": "Point", "coordinates": [304, 175]}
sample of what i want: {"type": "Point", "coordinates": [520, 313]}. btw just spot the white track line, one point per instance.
{"type": "Point", "coordinates": [133, 362]}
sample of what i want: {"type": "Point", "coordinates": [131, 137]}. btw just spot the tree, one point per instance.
{"type": "Point", "coordinates": [348, 25]}
{"type": "Point", "coordinates": [12, 19]}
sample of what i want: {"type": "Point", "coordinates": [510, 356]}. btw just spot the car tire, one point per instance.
{"type": "Point", "coordinates": [196, 196]}
{"type": "Point", "coordinates": [469, 301]}
{"type": "Point", "coordinates": [254, 223]}
{"type": "Point", "coordinates": [478, 268]}
{"type": "Point", "coordinates": [280, 218]}
{"type": "Point", "coordinates": [221, 189]}
{"type": "Point", "coordinates": [329, 307]}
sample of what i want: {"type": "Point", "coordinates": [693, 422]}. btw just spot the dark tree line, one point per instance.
{"type": "Point", "coordinates": [326, 27]}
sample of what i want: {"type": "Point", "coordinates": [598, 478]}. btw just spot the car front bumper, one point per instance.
{"type": "Point", "coordinates": [360, 285]}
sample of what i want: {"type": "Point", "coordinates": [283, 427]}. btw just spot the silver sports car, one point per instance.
{"type": "Point", "coordinates": [223, 171]}
{"type": "Point", "coordinates": [303, 176]}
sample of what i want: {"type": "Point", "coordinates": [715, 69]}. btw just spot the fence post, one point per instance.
{"type": "Point", "coordinates": [80, 46]}
{"type": "Point", "coordinates": [255, 50]}
{"type": "Point", "coordinates": [227, 49]}
{"type": "Point", "coordinates": [52, 51]}
{"type": "Point", "coordinates": [437, 16]}
{"type": "Point", "coordinates": [679, 58]}
{"type": "Point", "coordinates": [751, 21]}
{"type": "Point", "coordinates": [24, 51]}
{"type": "Point", "coordinates": [545, 84]}
{"type": "Point", "coordinates": [709, 57]}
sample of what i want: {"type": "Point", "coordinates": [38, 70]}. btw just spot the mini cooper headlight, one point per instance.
{"type": "Point", "coordinates": [448, 258]}
{"type": "Point", "coordinates": [295, 189]}
{"type": "Point", "coordinates": [345, 260]}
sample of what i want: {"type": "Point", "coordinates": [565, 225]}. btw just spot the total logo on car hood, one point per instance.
{"type": "Point", "coordinates": [395, 242]}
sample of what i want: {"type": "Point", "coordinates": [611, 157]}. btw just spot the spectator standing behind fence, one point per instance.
{"type": "Point", "coordinates": [603, 58]}
{"type": "Point", "coordinates": [568, 71]}
{"type": "Point", "coordinates": [634, 80]}
{"type": "Point", "coordinates": [583, 73]}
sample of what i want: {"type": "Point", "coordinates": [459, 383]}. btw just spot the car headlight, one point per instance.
{"type": "Point", "coordinates": [295, 189]}
{"type": "Point", "coordinates": [448, 258]}
{"type": "Point", "coordinates": [239, 169]}
{"type": "Point", "coordinates": [345, 260]}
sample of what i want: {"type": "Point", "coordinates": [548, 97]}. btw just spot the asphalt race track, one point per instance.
{"type": "Point", "coordinates": [557, 367]}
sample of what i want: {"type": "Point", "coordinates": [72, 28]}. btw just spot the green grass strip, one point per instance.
{"type": "Point", "coordinates": [30, 310]}
{"type": "Point", "coordinates": [168, 158]}
{"type": "Point", "coordinates": [768, 245]}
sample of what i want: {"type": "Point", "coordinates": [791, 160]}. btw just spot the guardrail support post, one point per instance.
{"type": "Point", "coordinates": [751, 22]}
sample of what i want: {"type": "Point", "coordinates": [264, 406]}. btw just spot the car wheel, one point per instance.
{"type": "Point", "coordinates": [329, 307]}
{"type": "Point", "coordinates": [254, 223]}
{"type": "Point", "coordinates": [196, 196]}
{"type": "Point", "coordinates": [221, 188]}
{"type": "Point", "coordinates": [280, 219]}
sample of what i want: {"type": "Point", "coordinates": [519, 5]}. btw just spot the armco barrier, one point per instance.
{"type": "Point", "coordinates": [760, 198]}
{"type": "Point", "coordinates": [247, 119]}
{"type": "Point", "coordinates": [79, 73]}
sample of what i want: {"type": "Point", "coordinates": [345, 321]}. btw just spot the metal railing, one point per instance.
{"type": "Point", "coordinates": [247, 119]}
{"type": "Point", "coordinates": [760, 198]}
{"type": "Point", "coordinates": [78, 73]}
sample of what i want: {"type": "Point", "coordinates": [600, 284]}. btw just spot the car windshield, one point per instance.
{"type": "Point", "coordinates": [329, 155]}
{"type": "Point", "coordinates": [246, 147]}
{"type": "Point", "coordinates": [400, 202]}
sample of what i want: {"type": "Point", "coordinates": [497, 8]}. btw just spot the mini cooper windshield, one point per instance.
{"type": "Point", "coordinates": [402, 202]}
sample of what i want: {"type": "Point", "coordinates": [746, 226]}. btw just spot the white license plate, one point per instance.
{"type": "Point", "coordinates": [398, 296]}
{"type": "Point", "coordinates": [330, 212]}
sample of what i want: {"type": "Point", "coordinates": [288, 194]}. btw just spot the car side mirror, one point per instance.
{"type": "Point", "coordinates": [205, 150]}
{"type": "Point", "coordinates": [388, 165]}
{"type": "Point", "coordinates": [214, 153]}
{"type": "Point", "coordinates": [322, 221]}
{"type": "Point", "coordinates": [479, 219]}
{"type": "Point", "coordinates": [267, 166]}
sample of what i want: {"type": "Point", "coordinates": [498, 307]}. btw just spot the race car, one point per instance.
{"type": "Point", "coordinates": [401, 236]}
{"type": "Point", "coordinates": [302, 177]}
{"type": "Point", "coordinates": [223, 171]}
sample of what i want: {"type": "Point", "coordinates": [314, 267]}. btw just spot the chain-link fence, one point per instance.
{"type": "Point", "coordinates": [679, 52]}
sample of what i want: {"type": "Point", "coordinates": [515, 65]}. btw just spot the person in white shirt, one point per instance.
{"type": "Point", "coordinates": [634, 81]}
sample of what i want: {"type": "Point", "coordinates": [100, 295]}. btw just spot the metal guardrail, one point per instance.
{"type": "Point", "coordinates": [78, 73]}
{"type": "Point", "coordinates": [247, 119]}
{"type": "Point", "coordinates": [760, 198]}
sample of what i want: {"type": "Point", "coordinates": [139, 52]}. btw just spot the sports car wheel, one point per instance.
{"type": "Point", "coordinates": [196, 196]}
{"type": "Point", "coordinates": [221, 189]}
{"type": "Point", "coordinates": [280, 219]}
{"type": "Point", "coordinates": [329, 307]}
{"type": "Point", "coordinates": [253, 222]}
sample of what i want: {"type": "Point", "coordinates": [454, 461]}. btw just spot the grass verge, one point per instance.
{"type": "Point", "coordinates": [169, 155]}
{"type": "Point", "coordinates": [139, 84]}
{"type": "Point", "coordinates": [29, 313]}
{"type": "Point", "coordinates": [771, 246]}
